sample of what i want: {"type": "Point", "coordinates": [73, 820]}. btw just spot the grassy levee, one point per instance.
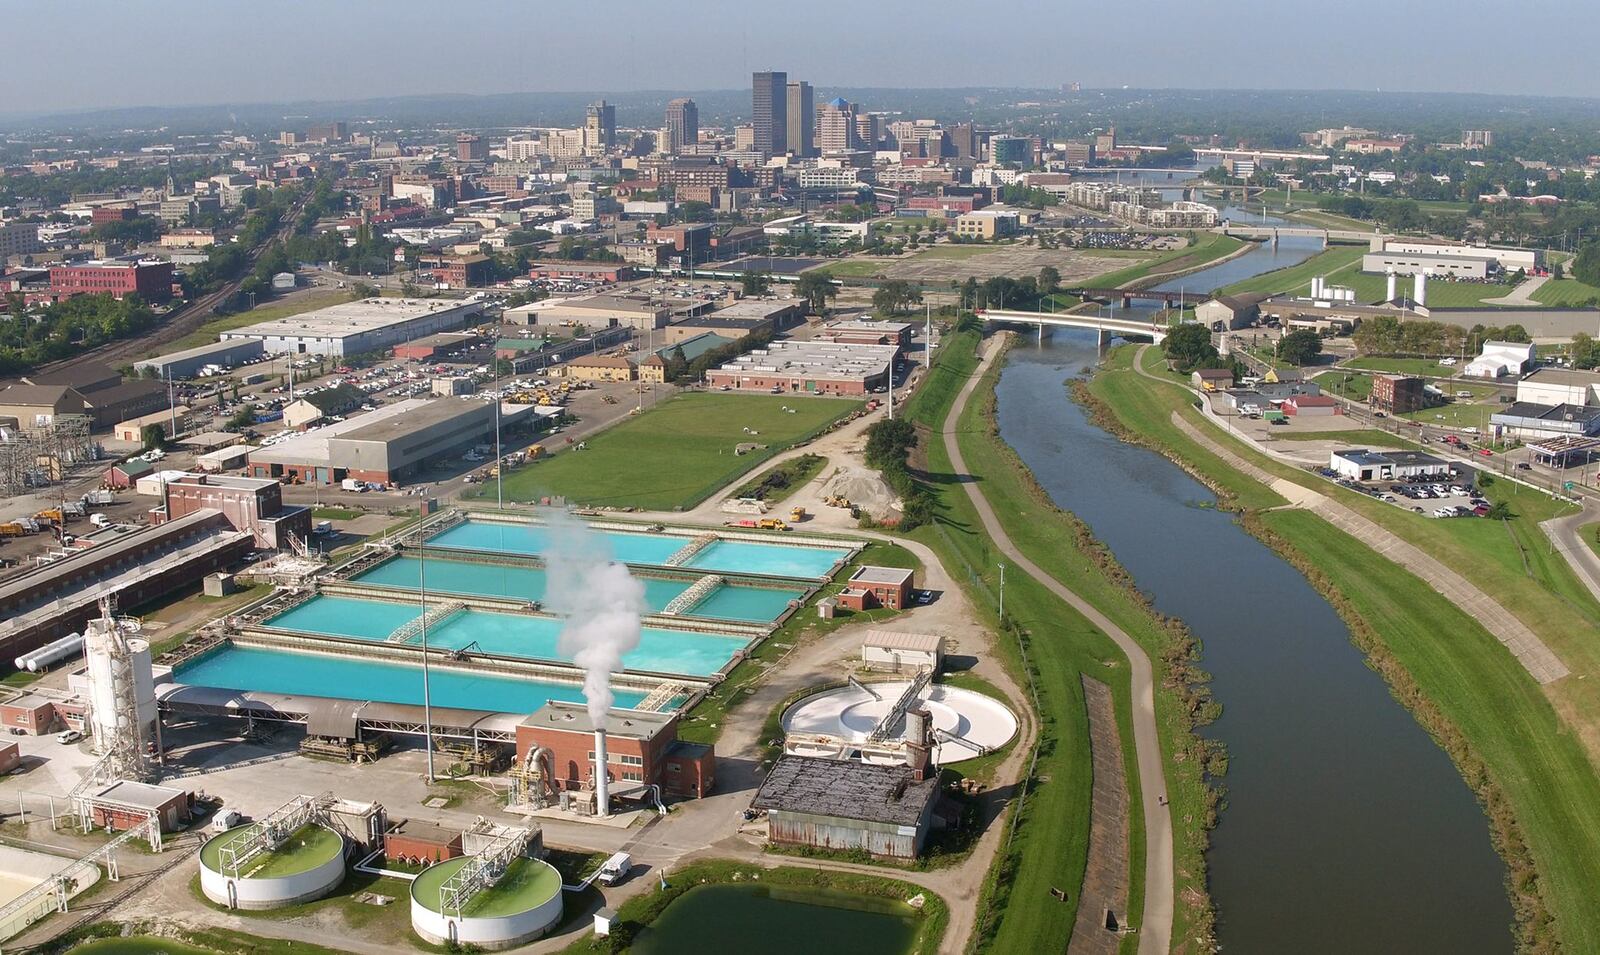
{"type": "Point", "coordinates": [1048, 846]}
{"type": "Point", "coordinates": [1336, 263]}
{"type": "Point", "coordinates": [1207, 248]}
{"type": "Point", "coordinates": [1514, 742]}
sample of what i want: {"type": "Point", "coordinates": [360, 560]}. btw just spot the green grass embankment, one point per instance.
{"type": "Point", "coordinates": [1208, 248]}
{"type": "Point", "coordinates": [1049, 847]}
{"type": "Point", "coordinates": [1336, 264]}
{"type": "Point", "coordinates": [1518, 745]}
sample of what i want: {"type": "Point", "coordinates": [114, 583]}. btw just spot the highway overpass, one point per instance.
{"type": "Point", "coordinates": [1105, 327]}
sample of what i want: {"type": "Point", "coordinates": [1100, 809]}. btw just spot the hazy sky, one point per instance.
{"type": "Point", "coordinates": [71, 54]}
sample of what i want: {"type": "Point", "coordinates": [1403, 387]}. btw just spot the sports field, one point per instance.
{"type": "Point", "coordinates": [678, 453]}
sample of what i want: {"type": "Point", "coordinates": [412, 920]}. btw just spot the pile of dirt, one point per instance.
{"type": "Point", "coordinates": [864, 488]}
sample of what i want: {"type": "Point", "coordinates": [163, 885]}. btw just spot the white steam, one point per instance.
{"type": "Point", "coordinates": [601, 601]}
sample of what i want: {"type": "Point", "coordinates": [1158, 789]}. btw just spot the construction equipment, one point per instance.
{"type": "Point", "coordinates": [772, 524]}
{"type": "Point", "coordinates": [50, 516]}
{"type": "Point", "coordinates": [13, 529]}
{"type": "Point", "coordinates": [797, 515]}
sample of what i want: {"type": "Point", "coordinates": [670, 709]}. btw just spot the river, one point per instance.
{"type": "Point", "coordinates": [1346, 828]}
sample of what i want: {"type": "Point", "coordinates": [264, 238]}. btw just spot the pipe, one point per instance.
{"type": "Point", "coordinates": [602, 785]}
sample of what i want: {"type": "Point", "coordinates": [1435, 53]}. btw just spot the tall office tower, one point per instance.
{"type": "Point", "coordinates": [836, 126]}
{"type": "Point", "coordinates": [470, 148]}
{"type": "Point", "coordinates": [769, 100]}
{"type": "Point", "coordinates": [802, 120]}
{"type": "Point", "coordinates": [867, 130]}
{"type": "Point", "coordinates": [600, 126]}
{"type": "Point", "coordinates": [683, 125]}
{"type": "Point", "coordinates": [964, 140]}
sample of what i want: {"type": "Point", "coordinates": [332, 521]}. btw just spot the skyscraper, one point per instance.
{"type": "Point", "coordinates": [836, 125]}
{"type": "Point", "coordinates": [683, 124]}
{"type": "Point", "coordinates": [802, 119]}
{"type": "Point", "coordinates": [600, 126]}
{"type": "Point", "coordinates": [964, 139]}
{"type": "Point", "coordinates": [769, 100]}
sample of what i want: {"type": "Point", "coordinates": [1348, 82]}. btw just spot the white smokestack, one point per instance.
{"type": "Point", "coordinates": [1389, 295]}
{"type": "Point", "coordinates": [602, 785]}
{"type": "Point", "coordinates": [1420, 291]}
{"type": "Point", "coordinates": [602, 604]}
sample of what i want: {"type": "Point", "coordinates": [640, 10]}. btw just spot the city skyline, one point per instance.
{"type": "Point", "coordinates": [183, 59]}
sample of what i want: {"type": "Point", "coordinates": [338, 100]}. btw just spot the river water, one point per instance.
{"type": "Point", "coordinates": [1346, 829]}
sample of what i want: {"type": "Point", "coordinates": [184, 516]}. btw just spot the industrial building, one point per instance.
{"type": "Point", "coordinates": [642, 749]}
{"type": "Point", "coordinates": [1542, 386]}
{"type": "Point", "coordinates": [187, 363]}
{"type": "Point", "coordinates": [249, 504]}
{"type": "Point", "coordinates": [902, 652]}
{"type": "Point", "coordinates": [1231, 312]}
{"type": "Point", "coordinates": [872, 587]}
{"type": "Point", "coordinates": [746, 317]}
{"type": "Point", "coordinates": [434, 347]}
{"type": "Point", "coordinates": [387, 445]}
{"type": "Point", "coordinates": [638, 312]}
{"type": "Point", "coordinates": [1499, 359]}
{"type": "Point", "coordinates": [316, 405]}
{"type": "Point", "coordinates": [1359, 464]}
{"type": "Point", "coordinates": [1508, 259]}
{"type": "Point", "coordinates": [885, 810]}
{"type": "Point", "coordinates": [1474, 267]}
{"type": "Point", "coordinates": [370, 325]}
{"type": "Point", "coordinates": [133, 566]}
{"type": "Point", "coordinates": [868, 333]}
{"type": "Point", "coordinates": [812, 367]}
{"type": "Point", "coordinates": [1523, 419]}
{"type": "Point", "coordinates": [107, 396]}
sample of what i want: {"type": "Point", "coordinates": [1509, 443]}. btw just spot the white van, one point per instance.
{"type": "Point", "coordinates": [616, 869]}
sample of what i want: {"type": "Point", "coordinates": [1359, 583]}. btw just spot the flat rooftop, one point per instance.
{"type": "Point", "coordinates": [143, 795]}
{"type": "Point", "coordinates": [846, 789]}
{"type": "Point", "coordinates": [869, 574]}
{"type": "Point", "coordinates": [895, 640]}
{"type": "Point", "coordinates": [1562, 376]}
{"type": "Point", "coordinates": [574, 718]}
{"type": "Point", "coordinates": [351, 318]}
{"type": "Point", "coordinates": [753, 309]}
{"type": "Point", "coordinates": [815, 359]}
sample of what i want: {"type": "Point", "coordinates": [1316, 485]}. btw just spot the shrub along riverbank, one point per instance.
{"type": "Point", "coordinates": [1538, 789]}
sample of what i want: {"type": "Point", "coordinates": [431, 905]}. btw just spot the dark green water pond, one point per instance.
{"type": "Point", "coordinates": [780, 920]}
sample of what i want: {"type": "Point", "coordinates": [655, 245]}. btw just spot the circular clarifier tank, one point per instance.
{"type": "Point", "coordinates": [309, 865]}
{"type": "Point", "coordinates": [966, 723]}
{"type": "Point", "coordinates": [520, 907]}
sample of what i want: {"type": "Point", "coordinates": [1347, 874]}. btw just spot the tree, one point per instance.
{"type": "Point", "coordinates": [1188, 346]}
{"type": "Point", "coordinates": [1586, 267]}
{"type": "Point", "coordinates": [816, 288]}
{"type": "Point", "coordinates": [1300, 347]}
{"type": "Point", "coordinates": [896, 297]}
{"type": "Point", "coordinates": [243, 418]}
{"type": "Point", "coordinates": [364, 290]}
{"type": "Point", "coordinates": [1585, 351]}
{"type": "Point", "coordinates": [152, 436]}
{"type": "Point", "coordinates": [1049, 280]}
{"type": "Point", "coordinates": [755, 283]}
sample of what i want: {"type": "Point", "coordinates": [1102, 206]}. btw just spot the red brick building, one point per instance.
{"type": "Point", "coordinates": [104, 214]}
{"type": "Point", "coordinates": [151, 281]}
{"type": "Point", "coordinates": [642, 749]}
{"type": "Point", "coordinates": [250, 504]}
{"type": "Point", "coordinates": [463, 271]}
{"type": "Point", "coordinates": [949, 205]}
{"type": "Point", "coordinates": [415, 842]}
{"type": "Point", "coordinates": [34, 715]}
{"type": "Point", "coordinates": [870, 587]}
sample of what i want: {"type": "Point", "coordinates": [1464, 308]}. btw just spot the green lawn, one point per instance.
{"type": "Point", "coordinates": [1207, 248]}
{"type": "Point", "coordinates": [1329, 220]}
{"type": "Point", "coordinates": [1537, 744]}
{"type": "Point", "coordinates": [1565, 292]}
{"type": "Point", "coordinates": [1402, 366]}
{"type": "Point", "coordinates": [777, 483]}
{"type": "Point", "coordinates": [678, 453]}
{"type": "Point", "coordinates": [1370, 287]}
{"type": "Point", "coordinates": [1458, 414]}
{"type": "Point", "coordinates": [1338, 264]}
{"type": "Point", "coordinates": [1591, 536]}
{"type": "Point", "coordinates": [207, 333]}
{"type": "Point", "coordinates": [1345, 384]}
{"type": "Point", "coordinates": [854, 268]}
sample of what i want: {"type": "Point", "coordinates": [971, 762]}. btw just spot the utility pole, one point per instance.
{"type": "Point", "coordinates": [1002, 595]}
{"type": "Point", "coordinates": [422, 590]}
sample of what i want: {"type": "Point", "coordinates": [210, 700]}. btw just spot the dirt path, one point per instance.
{"type": "Point", "coordinates": [1105, 881]}
{"type": "Point", "coordinates": [1155, 935]}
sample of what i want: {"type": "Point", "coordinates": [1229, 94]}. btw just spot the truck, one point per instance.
{"type": "Point", "coordinates": [100, 520]}
{"type": "Point", "coordinates": [323, 528]}
{"type": "Point", "coordinates": [99, 498]}
{"type": "Point", "coordinates": [351, 484]}
{"type": "Point", "coordinates": [772, 524]}
{"type": "Point", "coordinates": [615, 869]}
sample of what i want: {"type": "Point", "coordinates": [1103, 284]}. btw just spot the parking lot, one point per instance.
{"type": "Point", "coordinates": [1431, 497]}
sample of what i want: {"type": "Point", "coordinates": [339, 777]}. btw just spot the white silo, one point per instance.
{"type": "Point", "coordinates": [1391, 291]}
{"type": "Point", "coordinates": [1419, 292]}
{"type": "Point", "coordinates": [122, 697]}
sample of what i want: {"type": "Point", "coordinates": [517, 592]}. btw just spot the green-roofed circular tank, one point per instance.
{"type": "Point", "coordinates": [308, 865]}
{"type": "Point", "coordinates": [521, 906]}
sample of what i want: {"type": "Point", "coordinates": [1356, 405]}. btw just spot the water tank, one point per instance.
{"type": "Point", "coordinates": [119, 670]}
{"type": "Point", "coordinates": [51, 653]}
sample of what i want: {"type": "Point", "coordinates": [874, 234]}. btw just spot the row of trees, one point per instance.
{"type": "Point", "coordinates": [889, 446]}
{"type": "Point", "coordinates": [66, 327]}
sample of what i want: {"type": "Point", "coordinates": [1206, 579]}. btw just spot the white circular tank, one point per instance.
{"type": "Point", "coordinates": [308, 866]}
{"type": "Point", "coordinates": [523, 906]}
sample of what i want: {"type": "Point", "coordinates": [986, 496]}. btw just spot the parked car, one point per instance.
{"type": "Point", "coordinates": [1524, 466]}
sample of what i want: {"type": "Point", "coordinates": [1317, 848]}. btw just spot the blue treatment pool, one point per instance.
{"type": "Point", "coordinates": [346, 678]}
{"type": "Point", "coordinates": [516, 635]}
{"type": "Point", "coordinates": [755, 604]}
{"type": "Point", "coordinates": [782, 560]}
{"type": "Point", "coordinates": [726, 556]}
{"type": "Point", "coordinates": [347, 617]}
{"type": "Point", "coordinates": [499, 538]}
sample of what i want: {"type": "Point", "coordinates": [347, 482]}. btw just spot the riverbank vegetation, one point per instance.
{"type": "Point", "coordinates": [1518, 745]}
{"type": "Point", "coordinates": [1046, 848]}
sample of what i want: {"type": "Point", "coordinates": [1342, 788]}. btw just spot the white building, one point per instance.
{"type": "Point", "coordinates": [1509, 259]}
{"type": "Point", "coordinates": [1499, 359]}
{"type": "Point", "coordinates": [1559, 386]}
{"type": "Point", "coordinates": [1359, 464]}
{"type": "Point", "coordinates": [902, 652]}
{"type": "Point", "coordinates": [370, 325]}
{"type": "Point", "coordinates": [1456, 266]}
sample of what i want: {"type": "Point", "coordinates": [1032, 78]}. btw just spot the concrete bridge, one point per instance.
{"type": "Point", "coordinates": [1273, 233]}
{"type": "Point", "coordinates": [1105, 327]}
{"type": "Point", "coordinates": [1129, 296]}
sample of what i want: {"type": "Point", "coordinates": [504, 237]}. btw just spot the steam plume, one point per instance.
{"type": "Point", "coordinates": [601, 601]}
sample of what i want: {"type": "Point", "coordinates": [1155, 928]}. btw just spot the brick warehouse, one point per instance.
{"type": "Point", "coordinates": [642, 749]}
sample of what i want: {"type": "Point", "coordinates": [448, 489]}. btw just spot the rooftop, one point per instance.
{"type": "Point", "coordinates": [1562, 376]}
{"type": "Point", "coordinates": [895, 640]}
{"type": "Point", "coordinates": [846, 789]}
{"type": "Point", "coordinates": [352, 318]}
{"type": "Point", "coordinates": [752, 308]}
{"type": "Point", "coordinates": [1562, 412]}
{"type": "Point", "coordinates": [574, 718]}
{"type": "Point", "coordinates": [143, 795]}
{"type": "Point", "coordinates": [868, 574]}
{"type": "Point", "coordinates": [816, 359]}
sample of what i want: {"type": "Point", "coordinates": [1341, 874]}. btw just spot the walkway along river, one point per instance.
{"type": "Point", "coordinates": [1346, 829]}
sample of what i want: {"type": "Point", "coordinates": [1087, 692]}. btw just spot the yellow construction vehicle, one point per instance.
{"type": "Point", "coordinates": [797, 515]}
{"type": "Point", "coordinates": [12, 529]}
{"type": "Point", "coordinates": [51, 515]}
{"type": "Point", "coordinates": [772, 524]}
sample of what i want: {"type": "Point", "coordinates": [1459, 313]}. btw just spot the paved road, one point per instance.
{"type": "Point", "coordinates": [1522, 294]}
{"type": "Point", "coordinates": [1564, 533]}
{"type": "Point", "coordinates": [1155, 934]}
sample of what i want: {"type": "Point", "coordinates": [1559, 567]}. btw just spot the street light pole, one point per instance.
{"type": "Point", "coordinates": [1002, 595]}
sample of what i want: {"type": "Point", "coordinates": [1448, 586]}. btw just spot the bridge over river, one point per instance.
{"type": "Point", "coordinates": [1105, 327]}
